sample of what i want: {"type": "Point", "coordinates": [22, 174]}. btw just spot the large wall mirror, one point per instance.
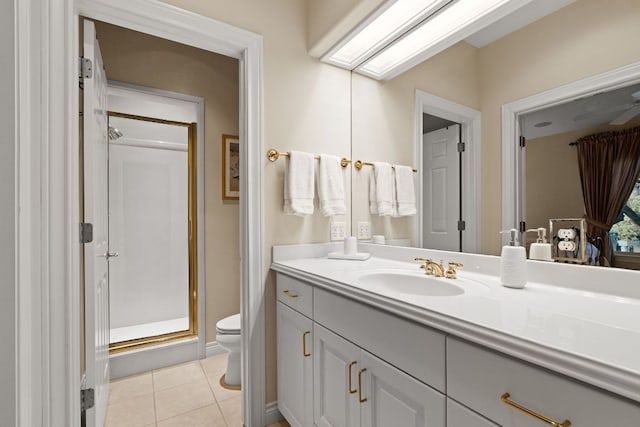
{"type": "Point", "coordinates": [482, 75]}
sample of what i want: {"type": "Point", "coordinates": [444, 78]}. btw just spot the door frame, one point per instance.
{"type": "Point", "coordinates": [470, 120]}
{"type": "Point", "coordinates": [46, 64]}
{"type": "Point", "coordinates": [512, 164]}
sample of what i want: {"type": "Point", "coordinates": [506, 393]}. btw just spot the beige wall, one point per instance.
{"type": "Point", "coordinates": [306, 107]}
{"type": "Point", "coordinates": [552, 181]}
{"type": "Point", "coordinates": [148, 61]}
{"type": "Point", "coordinates": [383, 122]}
{"type": "Point", "coordinates": [580, 40]}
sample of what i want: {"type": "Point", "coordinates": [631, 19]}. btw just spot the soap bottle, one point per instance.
{"type": "Point", "coordinates": [513, 263]}
{"type": "Point", "coordinates": [541, 249]}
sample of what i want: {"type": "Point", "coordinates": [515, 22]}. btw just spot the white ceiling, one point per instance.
{"type": "Point", "coordinates": [522, 17]}
{"type": "Point", "coordinates": [583, 113]}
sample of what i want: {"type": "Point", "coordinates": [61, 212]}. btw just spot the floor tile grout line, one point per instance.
{"type": "Point", "coordinates": [153, 388]}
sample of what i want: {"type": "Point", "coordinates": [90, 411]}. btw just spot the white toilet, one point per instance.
{"type": "Point", "coordinates": [229, 338]}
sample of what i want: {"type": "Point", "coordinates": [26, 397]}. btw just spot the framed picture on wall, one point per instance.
{"type": "Point", "coordinates": [230, 167]}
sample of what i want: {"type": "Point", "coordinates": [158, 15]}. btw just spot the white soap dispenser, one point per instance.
{"type": "Point", "coordinates": [541, 249]}
{"type": "Point", "coordinates": [513, 263]}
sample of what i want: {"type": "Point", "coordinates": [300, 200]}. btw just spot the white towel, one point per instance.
{"type": "Point", "coordinates": [384, 188]}
{"type": "Point", "coordinates": [373, 201]}
{"type": "Point", "coordinates": [299, 184]}
{"type": "Point", "coordinates": [394, 199]}
{"type": "Point", "coordinates": [331, 186]}
{"type": "Point", "coordinates": [405, 190]}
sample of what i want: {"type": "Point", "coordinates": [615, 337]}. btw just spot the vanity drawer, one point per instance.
{"type": "Point", "coordinates": [415, 349]}
{"type": "Point", "coordinates": [459, 416]}
{"type": "Point", "coordinates": [294, 293]}
{"type": "Point", "coordinates": [478, 377]}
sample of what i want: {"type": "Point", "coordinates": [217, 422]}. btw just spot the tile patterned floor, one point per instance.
{"type": "Point", "coordinates": [187, 395]}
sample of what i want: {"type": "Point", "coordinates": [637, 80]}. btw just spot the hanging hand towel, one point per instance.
{"type": "Point", "coordinates": [331, 186]}
{"type": "Point", "coordinates": [373, 201]}
{"type": "Point", "coordinates": [405, 190]}
{"type": "Point", "coordinates": [299, 184]}
{"type": "Point", "coordinates": [394, 198]}
{"type": "Point", "coordinates": [384, 187]}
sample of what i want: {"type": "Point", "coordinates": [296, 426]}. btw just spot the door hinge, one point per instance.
{"type": "Point", "coordinates": [462, 225]}
{"type": "Point", "coordinates": [86, 232]}
{"type": "Point", "coordinates": [86, 68]}
{"type": "Point", "coordinates": [461, 147]}
{"type": "Point", "coordinates": [87, 399]}
{"type": "Point", "coordinates": [523, 226]}
{"type": "Point", "coordinates": [523, 141]}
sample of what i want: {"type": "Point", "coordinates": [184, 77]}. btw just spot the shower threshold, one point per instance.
{"type": "Point", "coordinates": [146, 330]}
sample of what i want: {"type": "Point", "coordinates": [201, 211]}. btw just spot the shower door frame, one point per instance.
{"type": "Point", "coordinates": [192, 214]}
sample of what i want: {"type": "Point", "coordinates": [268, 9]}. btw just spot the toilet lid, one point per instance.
{"type": "Point", "coordinates": [229, 324]}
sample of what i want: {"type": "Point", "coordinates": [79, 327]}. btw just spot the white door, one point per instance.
{"type": "Point", "coordinates": [335, 368]}
{"type": "Point", "coordinates": [441, 207]}
{"type": "Point", "coordinates": [96, 258]}
{"type": "Point", "coordinates": [393, 398]}
{"type": "Point", "coordinates": [295, 366]}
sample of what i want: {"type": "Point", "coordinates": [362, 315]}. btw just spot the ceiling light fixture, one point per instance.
{"type": "Point", "coordinates": [389, 21]}
{"type": "Point", "coordinates": [454, 23]}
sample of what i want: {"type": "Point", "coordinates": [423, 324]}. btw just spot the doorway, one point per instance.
{"type": "Point", "coordinates": [248, 130]}
{"type": "Point", "coordinates": [49, 171]}
{"type": "Point", "coordinates": [443, 112]}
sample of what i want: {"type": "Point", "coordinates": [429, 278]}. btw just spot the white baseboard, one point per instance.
{"type": "Point", "coordinates": [146, 359]}
{"type": "Point", "coordinates": [271, 413]}
{"type": "Point", "coordinates": [213, 348]}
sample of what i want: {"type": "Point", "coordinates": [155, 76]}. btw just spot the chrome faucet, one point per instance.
{"type": "Point", "coordinates": [430, 267]}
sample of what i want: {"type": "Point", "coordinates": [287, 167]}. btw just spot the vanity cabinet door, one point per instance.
{"type": "Point", "coordinates": [295, 366]}
{"type": "Point", "coordinates": [459, 416]}
{"type": "Point", "coordinates": [335, 368]}
{"type": "Point", "coordinates": [394, 398]}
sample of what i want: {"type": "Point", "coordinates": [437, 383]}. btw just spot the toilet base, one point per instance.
{"type": "Point", "coordinates": [223, 384]}
{"type": "Point", "coordinates": [232, 377]}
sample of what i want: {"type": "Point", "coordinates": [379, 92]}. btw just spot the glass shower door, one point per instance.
{"type": "Point", "coordinates": [152, 295]}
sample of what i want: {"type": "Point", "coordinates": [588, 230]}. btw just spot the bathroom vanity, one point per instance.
{"type": "Point", "coordinates": [376, 342]}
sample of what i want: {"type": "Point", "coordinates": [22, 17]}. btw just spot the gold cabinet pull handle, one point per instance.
{"type": "Point", "coordinates": [505, 399]}
{"type": "Point", "coordinates": [304, 344]}
{"type": "Point", "coordinates": [351, 389]}
{"type": "Point", "coordinates": [288, 293]}
{"type": "Point", "coordinates": [360, 385]}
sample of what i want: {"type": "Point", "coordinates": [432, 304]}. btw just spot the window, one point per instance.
{"type": "Point", "coordinates": [625, 233]}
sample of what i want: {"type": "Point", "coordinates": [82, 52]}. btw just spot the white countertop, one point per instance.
{"type": "Point", "coordinates": [591, 336]}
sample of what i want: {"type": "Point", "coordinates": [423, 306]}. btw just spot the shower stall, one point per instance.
{"type": "Point", "coordinates": [153, 290]}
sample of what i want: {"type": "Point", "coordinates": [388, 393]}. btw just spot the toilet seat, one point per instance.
{"type": "Point", "coordinates": [229, 325]}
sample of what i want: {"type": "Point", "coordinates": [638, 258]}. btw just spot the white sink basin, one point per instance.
{"type": "Point", "coordinates": [408, 283]}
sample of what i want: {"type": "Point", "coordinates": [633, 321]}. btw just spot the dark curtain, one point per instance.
{"type": "Point", "coordinates": [609, 165]}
